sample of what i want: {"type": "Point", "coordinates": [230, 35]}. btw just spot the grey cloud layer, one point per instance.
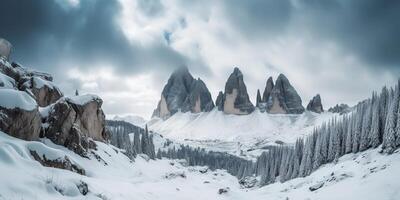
{"type": "Point", "coordinates": [84, 35]}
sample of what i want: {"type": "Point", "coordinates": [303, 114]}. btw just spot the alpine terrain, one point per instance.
{"type": "Point", "coordinates": [178, 100]}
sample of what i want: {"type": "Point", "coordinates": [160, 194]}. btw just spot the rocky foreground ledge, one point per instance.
{"type": "Point", "coordinates": [33, 107]}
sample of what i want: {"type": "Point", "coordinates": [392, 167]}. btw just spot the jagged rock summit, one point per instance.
{"type": "Point", "coordinates": [183, 93]}
{"type": "Point", "coordinates": [315, 105]}
{"type": "Point", "coordinates": [235, 100]}
{"type": "Point", "coordinates": [280, 98]}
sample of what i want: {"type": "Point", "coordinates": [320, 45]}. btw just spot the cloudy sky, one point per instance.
{"type": "Point", "coordinates": [124, 50]}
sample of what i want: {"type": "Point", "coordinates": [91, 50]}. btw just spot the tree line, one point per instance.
{"type": "Point", "coordinates": [142, 142]}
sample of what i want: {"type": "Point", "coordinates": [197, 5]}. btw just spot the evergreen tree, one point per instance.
{"type": "Point", "coordinates": [389, 140]}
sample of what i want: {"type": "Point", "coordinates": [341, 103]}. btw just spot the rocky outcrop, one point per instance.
{"type": "Point", "coordinates": [283, 98]}
{"type": "Point", "coordinates": [74, 122]}
{"type": "Point", "coordinates": [183, 93]}
{"type": "Point", "coordinates": [220, 101]}
{"type": "Point", "coordinates": [341, 109]}
{"type": "Point", "coordinates": [236, 100]}
{"type": "Point", "coordinates": [44, 91]}
{"type": "Point", "coordinates": [19, 115]}
{"type": "Point", "coordinates": [268, 89]}
{"type": "Point", "coordinates": [258, 99]}
{"type": "Point", "coordinates": [315, 105]}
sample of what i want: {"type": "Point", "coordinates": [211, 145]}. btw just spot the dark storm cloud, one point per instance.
{"type": "Point", "coordinates": [45, 33]}
{"type": "Point", "coordinates": [368, 28]}
{"type": "Point", "coordinates": [259, 17]}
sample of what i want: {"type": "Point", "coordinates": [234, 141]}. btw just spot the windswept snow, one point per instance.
{"type": "Point", "coordinates": [217, 125]}
{"type": "Point", "coordinates": [242, 135]}
{"type": "Point", "coordinates": [368, 175]}
{"type": "Point", "coordinates": [10, 98]}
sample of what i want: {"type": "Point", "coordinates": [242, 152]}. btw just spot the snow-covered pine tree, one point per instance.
{"type": "Point", "coordinates": [373, 137]}
{"type": "Point", "coordinates": [389, 140]}
{"type": "Point", "coordinates": [366, 126]}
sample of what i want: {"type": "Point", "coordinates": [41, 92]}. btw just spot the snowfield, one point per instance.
{"type": "Point", "coordinates": [368, 175]}
{"type": "Point", "coordinates": [242, 135]}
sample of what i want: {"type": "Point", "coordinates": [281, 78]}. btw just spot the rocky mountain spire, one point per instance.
{"type": "Point", "coordinates": [268, 89]}
{"type": "Point", "coordinates": [258, 100]}
{"type": "Point", "coordinates": [220, 101]}
{"type": "Point", "coordinates": [284, 98]}
{"type": "Point", "coordinates": [236, 100]}
{"type": "Point", "coordinates": [183, 92]}
{"type": "Point", "coordinates": [315, 105]}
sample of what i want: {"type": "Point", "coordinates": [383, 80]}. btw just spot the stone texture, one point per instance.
{"type": "Point", "coordinates": [284, 98]}
{"type": "Point", "coordinates": [183, 93]}
{"type": "Point", "coordinates": [45, 94]}
{"type": "Point", "coordinates": [315, 104]}
{"type": "Point", "coordinates": [268, 89]}
{"type": "Point", "coordinates": [220, 101]}
{"type": "Point", "coordinates": [74, 125]}
{"type": "Point", "coordinates": [19, 123]}
{"type": "Point", "coordinates": [236, 99]}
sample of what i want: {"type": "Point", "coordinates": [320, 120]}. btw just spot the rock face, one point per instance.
{"type": "Point", "coordinates": [183, 93]}
{"type": "Point", "coordinates": [44, 91]}
{"type": "Point", "coordinates": [73, 122]}
{"type": "Point", "coordinates": [19, 115]}
{"type": "Point", "coordinates": [268, 89]}
{"type": "Point", "coordinates": [5, 48]}
{"type": "Point", "coordinates": [283, 98]}
{"type": "Point", "coordinates": [315, 104]}
{"type": "Point", "coordinates": [220, 101]}
{"type": "Point", "coordinates": [235, 99]}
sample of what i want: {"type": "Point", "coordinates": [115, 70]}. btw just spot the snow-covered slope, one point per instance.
{"type": "Point", "coordinates": [237, 134]}
{"type": "Point", "coordinates": [368, 175]}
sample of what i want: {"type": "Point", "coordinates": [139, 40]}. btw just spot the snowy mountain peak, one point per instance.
{"type": "Point", "coordinates": [183, 93]}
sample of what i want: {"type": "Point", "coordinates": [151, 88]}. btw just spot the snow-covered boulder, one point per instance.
{"type": "Point", "coordinates": [183, 93]}
{"type": "Point", "coordinates": [19, 115]}
{"type": "Point", "coordinates": [315, 105]}
{"type": "Point", "coordinates": [236, 99]}
{"type": "Point", "coordinates": [44, 91]}
{"type": "Point", "coordinates": [74, 121]}
{"type": "Point", "coordinates": [6, 82]}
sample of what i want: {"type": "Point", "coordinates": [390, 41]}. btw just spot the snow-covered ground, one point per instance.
{"type": "Point", "coordinates": [366, 175]}
{"type": "Point", "coordinates": [245, 135]}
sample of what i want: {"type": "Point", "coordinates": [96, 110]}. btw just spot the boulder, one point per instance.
{"type": "Point", "coordinates": [44, 91]}
{"type": "Point", "coordinates": [19, 115]}
{"type": "Point", "coordinates": [284, 98]}
{"type": "Point", "coordinates": [183, 93]}
{"type": "Point", "coordinates": [236, 100]}
{"type": "Point", "coordinates": [75, 121]}
{"type": "Point", "coordinates": [315, 105]}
